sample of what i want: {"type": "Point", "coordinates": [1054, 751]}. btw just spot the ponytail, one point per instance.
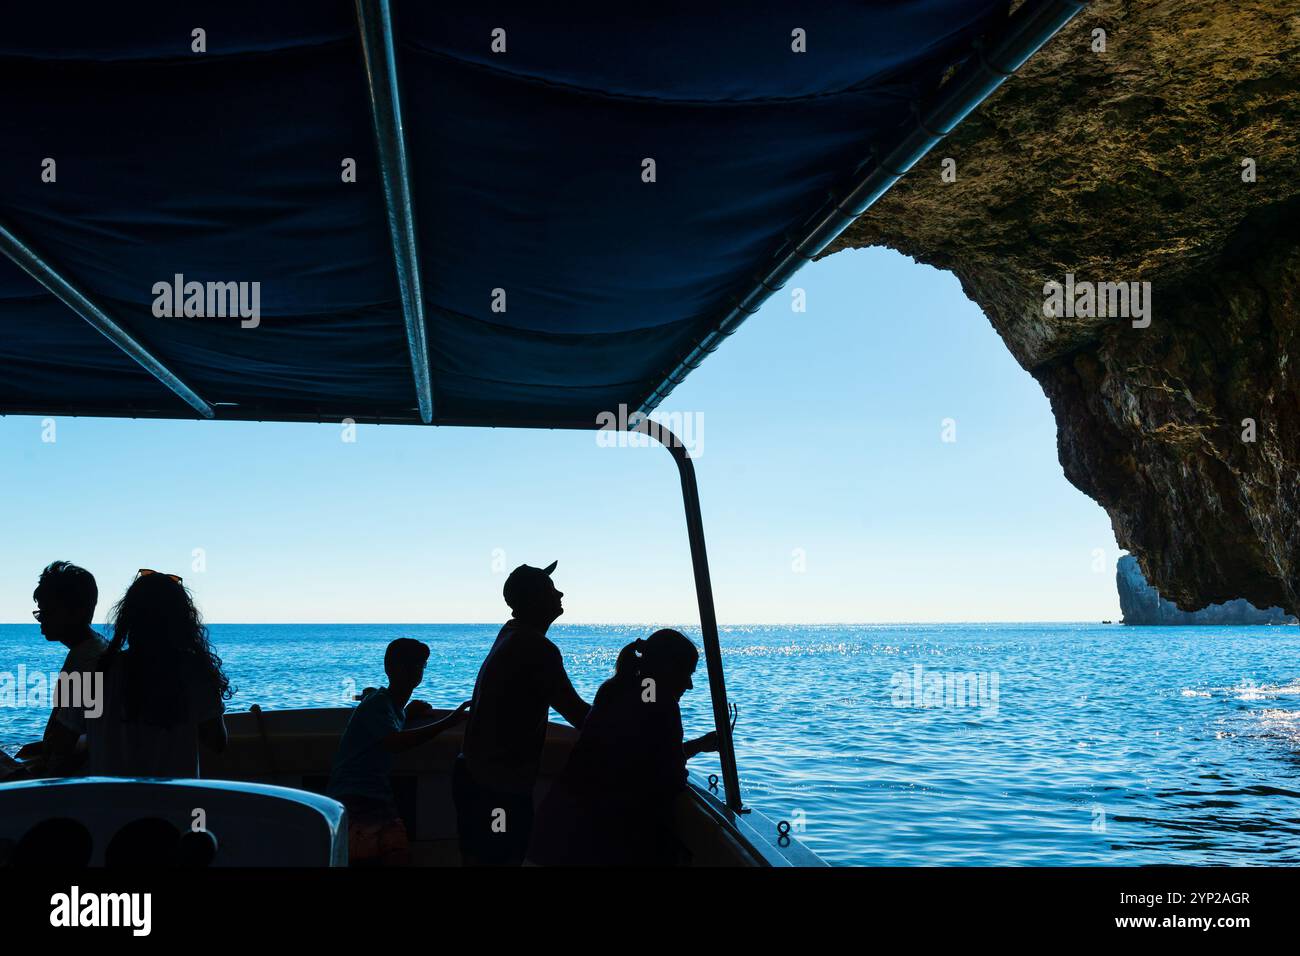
{"type": "Point", "coordinates": [665, 653]}
{"type": "Point", "coordinates": [627, 665]}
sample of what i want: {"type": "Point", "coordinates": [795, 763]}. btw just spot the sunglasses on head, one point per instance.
{"type": "Point", "coordinates": [145, 572]}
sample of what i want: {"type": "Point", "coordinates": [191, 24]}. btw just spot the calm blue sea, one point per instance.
{"type": "Point", "coordinates": [1070, 744]}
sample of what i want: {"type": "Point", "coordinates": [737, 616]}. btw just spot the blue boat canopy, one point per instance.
{"type": "Point", "coordinates": [591, 191]}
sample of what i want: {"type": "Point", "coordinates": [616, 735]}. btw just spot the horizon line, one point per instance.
{"type": "Point", "coordinates": [498, 622]}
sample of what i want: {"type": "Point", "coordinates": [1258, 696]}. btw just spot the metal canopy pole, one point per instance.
{"type": "Point", "coordinates": [376, 22]}
{"type": "Point", "coordinates": [1024, 33]}
{"type": "Point", "coordinates": [704, 594]}
{"type": "Point", "coordinates": [79, 302]}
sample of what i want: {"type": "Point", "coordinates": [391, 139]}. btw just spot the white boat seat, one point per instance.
{"type": "Point", "coordinates": [145, 821]}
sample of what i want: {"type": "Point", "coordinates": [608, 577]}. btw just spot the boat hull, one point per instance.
{"type": "Point", "coordinates": [263, 800]}
{"type": "Point", "coordinates": [295, 748]}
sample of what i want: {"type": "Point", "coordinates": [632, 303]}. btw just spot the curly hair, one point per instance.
{"type": "Point", "coordinates": [161, 640]}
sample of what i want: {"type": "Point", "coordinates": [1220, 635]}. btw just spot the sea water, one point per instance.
{"type": "Point", "coordinates": [909, 744]}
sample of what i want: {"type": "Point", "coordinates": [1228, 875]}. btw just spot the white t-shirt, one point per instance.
{"type": "Point", "coordinates": [119, 748]}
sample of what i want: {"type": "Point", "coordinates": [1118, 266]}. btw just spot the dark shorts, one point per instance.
{"type": "Point", "coordinates": [494, 827]}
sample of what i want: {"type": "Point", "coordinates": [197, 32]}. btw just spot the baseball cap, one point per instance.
{"type": "Point", "coordinates": [527, 584]}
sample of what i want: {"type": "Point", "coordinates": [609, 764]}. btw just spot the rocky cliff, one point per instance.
{"type": "Point", "coordinates": [1170, 157]}
{"type": "Point", "coordinates": [1142, 604]}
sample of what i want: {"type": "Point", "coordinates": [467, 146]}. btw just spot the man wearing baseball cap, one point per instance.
{"type": "Point", "coordinates": [520, 680]}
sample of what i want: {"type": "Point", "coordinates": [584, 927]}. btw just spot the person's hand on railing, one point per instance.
{"type": "Point", "coordinates": [709, 742]}
{"type": "Point", "coordinates": [403, 740]}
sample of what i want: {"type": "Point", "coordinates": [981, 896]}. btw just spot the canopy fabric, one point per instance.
{"type": "Point", "coordinates": [526, 173]}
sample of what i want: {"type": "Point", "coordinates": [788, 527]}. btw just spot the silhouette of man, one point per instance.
{"type": "Point", "coordinates": [522, 677]}
{"type": "Point", "coordinates": [65, 598]}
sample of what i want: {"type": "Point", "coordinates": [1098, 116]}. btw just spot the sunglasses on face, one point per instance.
{"type": "Point", "coordinates": [145, 572]}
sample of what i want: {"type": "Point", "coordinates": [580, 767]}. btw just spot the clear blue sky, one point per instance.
{"type": "Point", "coordinates": [821, 433]}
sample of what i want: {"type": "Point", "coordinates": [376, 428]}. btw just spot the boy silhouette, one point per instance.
{"type": "Point", "coordinates": [376, 730]}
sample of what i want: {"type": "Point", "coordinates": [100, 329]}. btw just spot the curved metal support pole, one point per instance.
{"type": "Point", "coordinates": [704, 594]}
{"type": "Point", "coordinates": [375, 19]}
{"type": "Point", "coordinates": [40, 269]}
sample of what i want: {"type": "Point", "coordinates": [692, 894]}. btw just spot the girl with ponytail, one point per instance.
{"type": "Point", "coordinates": [613, 803]}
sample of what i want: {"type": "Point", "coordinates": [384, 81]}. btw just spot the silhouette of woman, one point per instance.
{"type": "Point", "coordinates": [613, 803]}
{"type": "Point", "coordinates": [163, 686]}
